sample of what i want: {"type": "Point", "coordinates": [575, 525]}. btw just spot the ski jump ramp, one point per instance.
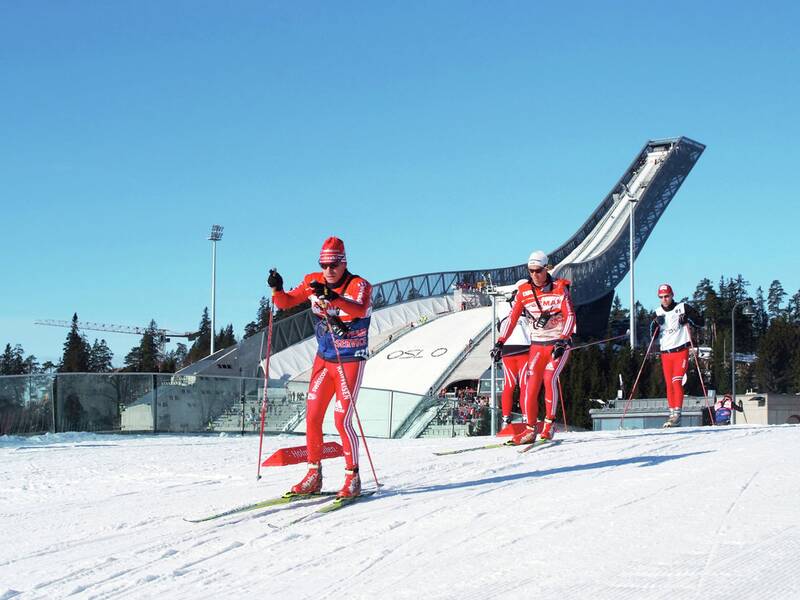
{"type": "Point", "coordinates": [595, 259]}
{"type": "Point", "coordinates": [415, 362]}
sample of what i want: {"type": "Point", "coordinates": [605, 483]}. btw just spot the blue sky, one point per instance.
{"type": "Point", "coordinates": [428, 135]}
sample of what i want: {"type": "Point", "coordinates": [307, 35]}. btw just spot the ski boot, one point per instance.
{"type": "Point", "coordinates": [352, 484]}
{"type": "Point", "coordinates": [526, 437]}
{"type": "Point", "coordinates": [312, 482]}
{"type": "Point", "coordinates": [547, 430]}
{"type": "Point", "coordinates": [506, 420]}
{"type": "Point", "coordinates": [674, 418]}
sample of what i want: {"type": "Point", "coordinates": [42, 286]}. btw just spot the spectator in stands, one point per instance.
{"type": "Point", "coordinates": [341, 311]}
{"type": "Point", "coordinates": [671, 324]}
{"type": "Point", "coordinates": [550, 317]}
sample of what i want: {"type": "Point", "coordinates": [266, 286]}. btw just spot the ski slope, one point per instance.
{"type": "Point", "coordinates": [690, 513]}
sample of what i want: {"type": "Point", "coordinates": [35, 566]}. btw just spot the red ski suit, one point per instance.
{"type": "Point", "coordinates": [341, 357]}
{"type": "Point", "coordinates": [550, 318]}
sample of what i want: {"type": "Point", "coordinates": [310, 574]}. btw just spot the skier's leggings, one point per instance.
{"type": "Point", "coordinates": [541, 368]}
{"type": "Point", "coordinates": [514, 373]}
{"type": "Point", "coordinates": [329, 378]}
{"type": "Point", "coordinates": [674, 366]}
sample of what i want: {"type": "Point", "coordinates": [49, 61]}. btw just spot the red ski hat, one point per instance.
{"type": "Point", "coordinates": [665, 288]}
{"type": "Point", "coordinates": [332, 251]}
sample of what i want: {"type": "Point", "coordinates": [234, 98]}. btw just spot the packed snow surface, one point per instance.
{"type": "Point", "coordinates": [688, 513]}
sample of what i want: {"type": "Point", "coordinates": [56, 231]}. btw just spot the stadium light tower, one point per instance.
{"type": "Point", "coordinates": [494, 293]}
{"type": "Point", "coordinates": [216, 235]}
{"type": "Point", "coordinates": [632, 258]}
{"type": "Point", "coordinates": [748, 311]}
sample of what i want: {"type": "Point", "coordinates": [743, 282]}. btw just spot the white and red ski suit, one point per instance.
{"type": "Point", "coordinates": [674, 341]}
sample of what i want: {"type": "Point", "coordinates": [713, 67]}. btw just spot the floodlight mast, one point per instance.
{"type": "Point", "coordinates": [216, 235]}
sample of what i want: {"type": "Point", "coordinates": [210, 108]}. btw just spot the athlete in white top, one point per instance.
{"type": "Point", "coordinates": [672, 327]}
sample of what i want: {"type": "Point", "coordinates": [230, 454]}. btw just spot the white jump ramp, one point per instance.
{"type": "Point", "coordinates": [396, 379]}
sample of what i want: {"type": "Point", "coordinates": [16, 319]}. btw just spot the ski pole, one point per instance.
{"type": "Point", "coordinates": [563, 408]}
{"type": "Point", "coordinates": [352, 400]}
{"type": "Point", "coordinates": [635, 383]}
{"type": "Point", "coordinates": [700, 375]}
{"type": "Point", "coordinates": [611, 339]}
{"type": "Point", "coordinates": [264, 400]}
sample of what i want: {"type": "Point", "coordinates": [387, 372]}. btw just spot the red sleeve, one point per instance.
{"type": "Point", "coordinates": [301, 293]}
{"type": "Point", "coordinates": [512, 319]}
{"type": "Point", "coordinates": [358, 305]}
{"type": "Point", "coordinates": [569, 315]}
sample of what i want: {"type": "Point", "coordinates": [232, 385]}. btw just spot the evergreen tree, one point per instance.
{"type": "Point", "coordinates": [793, 308]}
{"type": "Point", "coordinates": [643, 319]}
{"type": "Point", "coordinates": [173, 360]}
{"type": "Point", "coordinates": [262, 318]}
{"type": "Point", "coordinates": [76, 351]}
{"type": "Point", "coordinates": [796, 372]}
{"type": "Point", "coordinates": [776, 355]}
{"type": "Point", "coordinates": [202, 344]}
{"type": "Point", "coordinates": [12, 361]}
{"type": "Point", "coordinates": [181, 352]}
{"type": "Point", "coordinates": [707, 301]}
{"type": "Point", "coordinates": [145, 358]}
{"type": "Point", "coordinates": [775, 297]}
{"type": "Point", "coordinates": [225, 338]}
{"type": "Point", "coordinates": [30, 365]}
{"type": "Point", "coordinates": [618, 318]}
{"type": "Point", "coordinates": [100, 357]}
{"type": "Point", "coordinates": [49, 367]}
{"type": "Point", "coordinates": [132, 360]}
{"type": "Point", "coordinates": [760, 318]}
{"type": "Point", "coordinates": [169, 363]}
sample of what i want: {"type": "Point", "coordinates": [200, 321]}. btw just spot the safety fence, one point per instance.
{"type": "Point", "coordinates": [157, 402]}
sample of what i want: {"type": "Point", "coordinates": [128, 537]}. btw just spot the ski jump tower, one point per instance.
{"type": "Point", "coordinates": [596, 257]}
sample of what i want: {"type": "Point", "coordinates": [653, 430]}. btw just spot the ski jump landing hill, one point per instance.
{"type": "Point", "coordinates": [445, 340]}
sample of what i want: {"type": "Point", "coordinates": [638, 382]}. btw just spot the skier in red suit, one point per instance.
{"type": "Point", "coordinates": [341, 310]}
{"type": "Point", "coordinates": [550, 317]}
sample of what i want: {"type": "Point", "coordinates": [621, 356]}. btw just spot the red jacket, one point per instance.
{"type": "Point", "coordinates": [548, 310]}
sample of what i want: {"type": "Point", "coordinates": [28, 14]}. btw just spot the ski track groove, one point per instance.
{"type": "Point", "coordinates": [722, 524]}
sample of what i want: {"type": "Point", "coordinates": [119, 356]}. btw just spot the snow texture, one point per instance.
{"type": "Point", "coordinates": [706, 513]}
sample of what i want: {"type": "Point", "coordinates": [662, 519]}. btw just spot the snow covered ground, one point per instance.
{"type": "Point", "coordinates": [690, 513]}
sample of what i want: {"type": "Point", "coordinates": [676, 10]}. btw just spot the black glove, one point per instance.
{"type": "Point", "coordinates": [497, 352]}
{"type": "Point", "coordinates": [338, 327]}
{"type": "Point", "coordinates": [322, 291]}
{"type": "Point", "coordinates": [558, 349]}
{"type": "Point", "coordinates": [683, 319]}
{"type": "Point", "coordinates": [275, 281]}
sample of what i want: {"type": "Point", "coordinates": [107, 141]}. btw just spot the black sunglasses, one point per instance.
{"type": "Point", "coordinates": [329, 265]}
{"type": "Point", "coordinates": [537, 271]}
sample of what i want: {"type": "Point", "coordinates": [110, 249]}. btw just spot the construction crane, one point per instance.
{"type": "Point", "coordinates": [162, 336]}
